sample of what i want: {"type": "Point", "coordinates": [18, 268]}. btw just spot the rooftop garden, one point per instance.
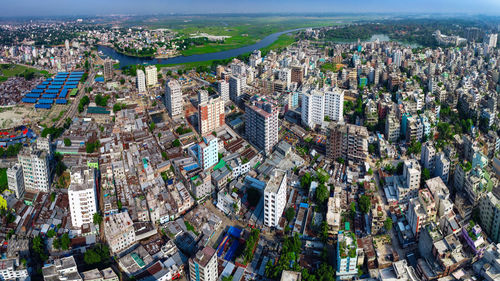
{"type": "Point", "coordinates": [348, 245]}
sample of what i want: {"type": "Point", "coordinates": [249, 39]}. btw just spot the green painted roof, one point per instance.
{"type": "Point", "coordinates": [97, 110]}
{"type": "Point", "coordinates": [219, 165]}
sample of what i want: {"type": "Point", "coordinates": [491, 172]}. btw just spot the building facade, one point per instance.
{"type": "Point", "coordinates": [210, 115]}
{"type": "Point", "coordinates": [15, 180]}
{"type": "Point", "coordinates": [275, 198]}
{"type": "Point", "coordinates": [82, 196]}
{"type": "Point", "coordinates": [173, 98]}
{"type": "Point", "coordinates": [203, 267]}
{"type": "Point", "coordinates": [261, 125]}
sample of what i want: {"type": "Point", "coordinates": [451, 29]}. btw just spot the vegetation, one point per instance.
{"type": "Point", "coordinates": [364, 203]}
{"type": "Point", "coordinates": [3, 180]}
{"type": "Point", "coordinates": [67, 142]}
{"type": "Point", "coordinates": [388, 224]}
{"type": "Point", "coordinates": [97, 254]}
{"type": "Point", "coordinates": [181, 130]}
{"type": "Point", "coordinates": [289, 214]}
{"type": "Point", "coordinates": [83, 102]}
{"type": "Point", "coordinates": [97, 219]}
{"type": "Point", "coordinates": [91, 147]}
{"type": "Point", "coordinates": [250, 245]}
{"type": "Point", "coordinates": [101, 100]}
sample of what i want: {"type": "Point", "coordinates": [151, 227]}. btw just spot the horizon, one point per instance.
{"type": "Point", "coordinates": [61, 8]}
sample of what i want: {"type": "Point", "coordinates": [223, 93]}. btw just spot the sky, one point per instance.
{"type": "Point", "coordinates": [147, 7]}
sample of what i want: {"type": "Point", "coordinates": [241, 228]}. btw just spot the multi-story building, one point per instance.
{"type": "Point", "coordinates": [207, 152]}
{"type": "Point", "coordinates": [235, 87]}
{"type": "Point", "coordinates": [297, 74]}
{"type": "Point", "coordinates": [427, 156]}
{"type": "Point", "coordinates": [348, 141]}
{"type": "Point", "coordinates": [119, 231]}
{"type": "Point", "coordinates": [151, 75]}
{"type": "Point", "coordinates": [275, 198]}
{"type": "Point", "coordinates": [10, 269]}
{"type": "Point", "coordinates": [442, 167]}
{"type": "Point", "coordinates": [36, 169]}
{"type": "Point", "coordinates": [347, 256]}
{"type": "Point", "coordinates": [108, 69]}
{"type": "Point", "coordinates": [489, 212]}
{"type": "Point", "coordinates": [223, 90]}
{"type": "Point", "coordinates": [392, 128]}
{"type": "Point", "coordinates": [173, 98]}
{"type": "Point", "coordinates": [201, 186]}
{"type": "Point", "coordinates": [62, 269]}
{"type": "Point", "coordinates": [261, 125]}
{"type": "Point", "coordinates": [411, 174]}
{"type": "Point", "coordinates": [203, 267]}
{"type": "Point", "coordinates": [491, 40]}
{"type": "Point", "coordinates": [141, 81]}
{"type": "Point", "coordinates": [15, 180]}
{"type": "Point", "coordinates": [210, 115]}
{"type": "Point", "coordinates": [318, 105]}
{"type": "Point", "coordinates": [82, 196]}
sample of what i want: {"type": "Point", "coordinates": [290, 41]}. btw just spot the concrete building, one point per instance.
{"type": "Point", "coordinates": [119, 231]}
{"type": "Point", "coordinates": [151, 75]}
{"type": "Point", "coordinates": [347, 256]}
{"type": "Point", "coordinates": [347, 141]}
{"type": "Point", "coordinates": [36, 169]}
{"type": "Point", "coordinates": [108, 69]}
{"type": "Point", "coordinates": [489, 211]}
{"type": "Point", "coordinates": [392, 128]}
{"type": "Point", "coordinates": [10, 269]}
{"type": "Point", "coordinates": [82, 196]}
{"type": "Point", "coordinates": [202, 186]}
{"type": "Point", "coordinates": [15, 180]}
{"type": "Point", "coordinates": [320, 104]}
{"type": "Point", "coordinates": [207, 152]}
{"type": "Point", "coordinates": [223, 90]}
{"type": "Point", "coordinates": [261, 125]}
{"type": "Point", "coordinates": [203, 267]}
{"type": "Point", "coordinates": [141, 81]}
{"type": "Point", "coordinates": [235, 87]}
{"type": "Point", "coordinates": [275, 198]}
{"type": "Point", "coordinates": [210, 115]}
{"type": "Point", "coordinates": [427, 156]}
{"type": "Point", "coordinates": [173, 98]}
{"type": "Point", "coordinates": [442, 167]}
{"type": "Point", "coordinates": [411, 174]}
{"type": "Point", "coordinates": [62, 269]}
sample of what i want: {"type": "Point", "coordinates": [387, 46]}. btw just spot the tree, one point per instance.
{"type": "Point", "coordinates": [364, 203]}
{"type": "Point", "coordinates": [400, 168]}
{"type": "Point", "coordinates": [56, 243]}
{"type": "Point", "coordinates": [67, 142]}
{"type": "Point", "coordinates": [176, 143]}
{"type": "Point", "coordinates": [97, 219]}
{"type": "Point", "coordinates": [227, 278]}
{"type": "Point", "coordinates": [290, 214]}
{"type": "Point", "coordinates": [51, 233]}
{"type": "Point", "coordinates": [305, 181]}
{"type": "Point", "coordinates": [425, 174]}
{"type": "Point", "coordinates": [321, 194]}
{"type": "Point", "coordinates": [65, 242]}
{"type": "Point", "coordinates": [340, 160]}
{"type": "Point", "coordinates": [371, 148]}
{"type": "Point", "coordinates": [388, 224]}
{"type": "Point", "coordinates": [91, 257]}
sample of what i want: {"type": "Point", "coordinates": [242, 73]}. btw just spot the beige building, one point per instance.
{"type": "Point", "coordinates": [349, 142]}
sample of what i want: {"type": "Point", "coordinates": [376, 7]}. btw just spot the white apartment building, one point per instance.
{"type": "Point", "coordinates": [442, 167]}
{"type": "Point", "coordinates": [36, 169]}
{"type": "Point", "coordinates": [207, 152]}
{"type": "Point", "coordinates": [119, 231]}
{"type": "Point", "coordinates": [15, 180]}
{"type": "Point", "coordinates": [151, 75]}
{"type": "Point", "coordinates": [235, 87]}
{"type": "Point", "coordinates": [411, 174]}
{"type": "Point", "coordinates": [10, 270]}
{"type": "Point", "coordinates": [261, 125]}
{"type": "Point", "coordinates": [173, 98]}
{"type": "Point", "coordinates": [427, 156]}
{"type": "Point", "coordinates": [285, 75]}
{"type": "Point", "coordinates": [141, 81]}
{"type": "Point", "coordinates": [203, 267]}
{"type": "Point", "coordinates": [275, 198]}
{"type": "Point", "coordinates": [82, 196]}
{"type": "Point", "coordinates": [210, 115]}
{"type": "Point", "coordinates": [318, 104]}
{"type": "Point", "coordinates": [223, 90]}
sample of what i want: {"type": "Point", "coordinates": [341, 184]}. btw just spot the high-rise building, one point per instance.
{"type": "Point", "coordinates": [397, 56]}
{"type": "Point", "coordinates": [491, 40]}
{"type": "Point", "coordinates": [202, 96]}
{"type": "Point", "coordinates": [261, 125]}
{"type": "Point", "coordinates": [489, 212]}
{"type": "Point", "coordinates": [10, 269]}
{"type": "Point", "coordinates": [82, 196]}
{"type": "Point", "coordinates": [203, 267]}
{"type": "Point", "coordinates": [207, 152]}
{"type": "Point", "coordinates": [108, 69]}
{"type": "Point", "coordinates": [66, 44]}
{"type": "Point", "coordinates": [15, 180]}
{"type": "Point", "coordinates": [235, 88]}
{"type": "Point", "coordinates": [151, 75]}
{"type": "Point", "coordinates": [173, 98]}
{"type": "Point", "coordinates": [36, 169]}
{"type": "Point", "coordinates": [275, 198]}
{"type": "Point", "coordinates": [317, 105]}
{"type": "Point", "coordinates": [347, 256]}
{"type": "Point", "coordinates": [427, 156]}
{"type": "Point", "coordinates": [223, 90]}
{"type": "Point", "coordinates": [416, 216]}
{"type": "Point", "coordinates": [442, 167]}
{"type": "Point", "coordinates": [119, 231]}
{"type": "Point", "coordinates": [297, 74]}
{"type": "Point", "coordinates": [141, 81]}
{"type": "Point", "coordinates": [210, 115]}
{"type": "Point", "coordinates": [392, 128]}
{"type": "Point", "coordinates": [347, 141]}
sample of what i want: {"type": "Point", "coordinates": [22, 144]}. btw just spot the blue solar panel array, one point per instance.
{"type": "Point", "coordinates": [53, 90]}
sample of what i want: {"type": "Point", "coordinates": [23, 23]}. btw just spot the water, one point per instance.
{"type": "Point", "coordinates": [128, 60]}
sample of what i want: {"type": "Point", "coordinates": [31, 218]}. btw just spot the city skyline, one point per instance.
{"type": "Point", "coordinates": [148, 7]}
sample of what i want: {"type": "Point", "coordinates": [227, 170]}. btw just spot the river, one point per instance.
{"type": "Point", "coordinates": [128, 60]}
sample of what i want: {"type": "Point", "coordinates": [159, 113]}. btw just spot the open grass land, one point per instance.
{"type": "Point", "coordinates": [12, 70]}
{"type": "Point", "coordinates": [243, 29]}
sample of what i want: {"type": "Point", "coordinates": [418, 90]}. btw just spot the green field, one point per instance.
{"type": "Point", "coordinates": [12, 70]}
{"type": "Point", "coordinates": [243, 29]}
